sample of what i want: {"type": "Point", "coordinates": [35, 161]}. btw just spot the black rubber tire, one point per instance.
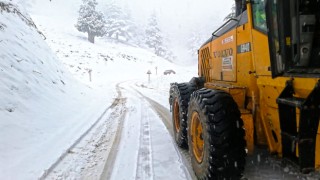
{"type": "Point", "coordinates": [181, 92]}
{"type": "Point", "coordinates": [198, 82]}
{"type": "Point", "coordinates": [223, 135]}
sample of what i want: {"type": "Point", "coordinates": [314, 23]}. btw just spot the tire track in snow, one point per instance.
{"type": "Point", "coordinates": [68, 150]}
{"type": "Point", "coordinates": [144, 169]}
{"type": "Point", "coordinates": [108, 167]}
{"type": "Point", "coordinates": [149, 163]}
{"type": "Point", "coordinates": [107, 170]}
{"type": "Point", "coordinates": [144, 164]}
{"type": "Point", "coordinates": [165, 116]}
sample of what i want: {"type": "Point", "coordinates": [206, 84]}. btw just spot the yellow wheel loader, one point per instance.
{"type": "Point", "coordinates": [258, 84]}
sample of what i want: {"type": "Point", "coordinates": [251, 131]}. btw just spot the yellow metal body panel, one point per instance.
{"type": "Point", "coordinates": [224, 57]}
{"type": "Point", "coordinates": [269, 90]}
{"type": "Point", "coordinates": [250, 70]}
{"type": "Point", "coordinates": [261, 53]}
{"type": "Point", "coordinates": [249, 129]}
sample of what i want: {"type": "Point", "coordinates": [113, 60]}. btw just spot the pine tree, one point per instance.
{"type": "Point", "coordinates": [232, 14]}
{"type": "Point", "coordinates": [156, 40]}
{"type": "Point", "coordinates": [197, 36]}
{"type": "Point", "coordinates": [119, 25]}
{"type": "Point", "coordinates": [153, 36]}
{"type": "Point", "coordinates": [90, 21]}
{"type": "Point", "coordinates": [134, 35]}
{"type": "Point", "coordinates": [194, 43]}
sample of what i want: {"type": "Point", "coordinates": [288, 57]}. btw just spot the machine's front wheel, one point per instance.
{"type": "Point", "coordinates": [215, 135]}
{"type": "Point", "coordinates": [179, 99]}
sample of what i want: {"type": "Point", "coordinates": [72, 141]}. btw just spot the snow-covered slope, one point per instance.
{"type": "Point", "coordinates": [108, 62]}
{"type": "Point", "coordinates": [27, 63]}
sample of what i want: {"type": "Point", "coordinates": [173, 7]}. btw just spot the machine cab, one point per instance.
{"type": "Point", "coordinates": [294, 37]}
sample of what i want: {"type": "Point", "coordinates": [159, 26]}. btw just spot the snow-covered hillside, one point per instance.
{"type": "Point", "coordinates": [40, 101]}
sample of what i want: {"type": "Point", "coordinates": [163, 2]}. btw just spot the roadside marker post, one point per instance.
{"type": "Point", "coordinates": [149, 72]}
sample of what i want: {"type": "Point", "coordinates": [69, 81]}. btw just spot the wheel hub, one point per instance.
{"type": "Point", "coordinates": [197, 137]}
{"type": "Point", "coordinates": [176, 115]}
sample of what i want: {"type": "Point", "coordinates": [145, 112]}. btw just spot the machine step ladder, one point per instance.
{"type": "Point", "coordinates": [299, 139]}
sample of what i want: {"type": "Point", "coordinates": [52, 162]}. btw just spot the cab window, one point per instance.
{"type": "Point", "coordinates": [259, 15]}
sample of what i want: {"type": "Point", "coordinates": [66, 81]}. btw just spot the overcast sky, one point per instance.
{"type": "Point", "coordinates": [181, 12]}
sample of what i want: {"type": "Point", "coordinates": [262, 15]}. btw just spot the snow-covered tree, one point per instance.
{"type": "Point", "coordinates": [198, 35]}
{"type": "Point", "coordinates": [194, 42]}
{"type": "Point", "coordinates": [136, 32]}
{"type": "Point", "coordinates": [90, 20]}
{"type": "Point", "coordinates": [196, 38]}
{"type": "Point", "coordinates": [119, 25]}
{"type": "Point", "coordinates": [155, 39]}
{"type": "Point", "coordinates": [153, 35]}
{"type": "Point", "coordinates": [232, 14]}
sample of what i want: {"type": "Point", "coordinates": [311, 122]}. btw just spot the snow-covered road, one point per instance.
{"type": "Point", "coordinates": [132, 141]}
{"type": "Point", "coordinates": [146, 150]}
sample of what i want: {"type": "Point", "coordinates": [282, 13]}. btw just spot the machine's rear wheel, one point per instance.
{"type": "Point", "coordinates": [179, 99]}
{"type": "Point", "coordinates": [197, 136]}
{"type": "Point", "coordinates": [176, 115]}
{"type": "Point", "coordinates": [215, 135]}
